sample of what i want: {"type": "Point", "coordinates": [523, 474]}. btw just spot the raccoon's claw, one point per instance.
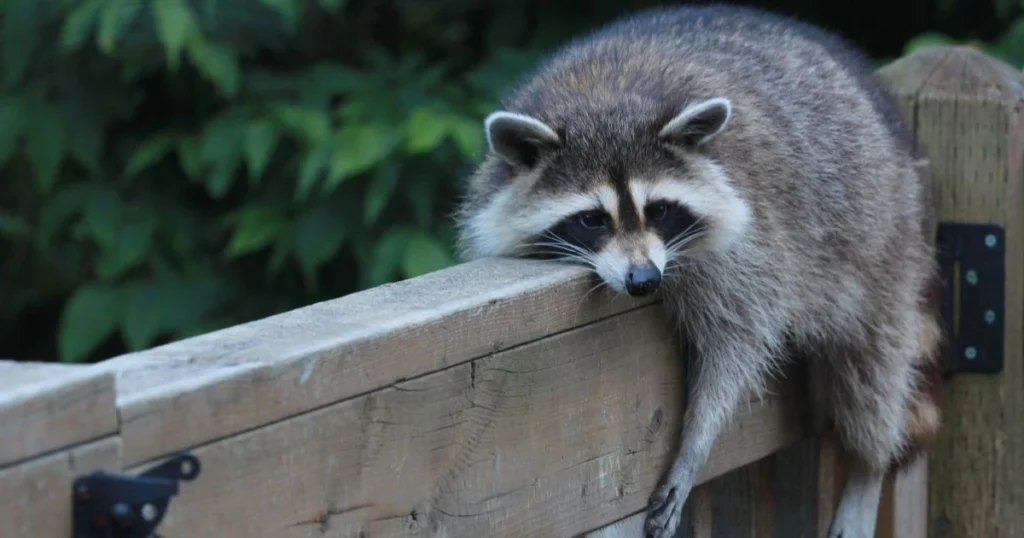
{"type": "Point", "coordinates": [664, 512]}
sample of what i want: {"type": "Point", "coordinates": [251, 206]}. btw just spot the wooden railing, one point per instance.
{"type": "Point", "coordinates": [501, 398]}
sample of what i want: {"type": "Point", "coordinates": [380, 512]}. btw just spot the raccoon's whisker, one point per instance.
{"type": "Point", "coordinates": [570, 257]}
{"type": "Point", "coordinates": [585, 259]}
{"type": "Point", "coordinates": [563, 246]}
{"type": "Point", "coordinates": [599, 285]}
{"type": "Point", "coordinates": [567, 244]}
{"type": "Point", "coordinates": [676, 247]}
{"type": "Point", "coordinates": [695, 222]}
{"type": "Point", "coordinates": [682, 239]}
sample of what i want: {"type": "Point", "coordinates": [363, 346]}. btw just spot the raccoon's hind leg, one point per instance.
{"type": "Point", "coordinates": [883, 400]}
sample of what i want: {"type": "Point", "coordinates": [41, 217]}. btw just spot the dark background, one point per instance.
{"type": "Point", "coordinates": [170, 167]}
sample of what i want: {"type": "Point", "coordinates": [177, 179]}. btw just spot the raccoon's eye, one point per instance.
{"type": "Point", "coordinates": [591, 219]}
{"type": "Point", "coordinates": [657, 211]}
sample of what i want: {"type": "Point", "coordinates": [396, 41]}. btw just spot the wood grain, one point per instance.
{"type": "Point", "coordinates": [46, 407]}
{"type": "Point", "coordinates": [795, 492]}
{"type": "Point", "coordinates": [553, 438]}
{"type": "Point", "coordinates": [733, 502]}
{"type": "Point", "coordinates": [966, 109]}
{"type": "Point", "coordinates": [35, 496]}
{"type": "Point", "coordinates": [222, 383]}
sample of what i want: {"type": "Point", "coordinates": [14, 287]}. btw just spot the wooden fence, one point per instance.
{"type": "Point", "coordinates": [499, 398]}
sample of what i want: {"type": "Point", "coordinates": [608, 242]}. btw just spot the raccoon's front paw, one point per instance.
{"type": "Point", "coordinates": [665, 511]}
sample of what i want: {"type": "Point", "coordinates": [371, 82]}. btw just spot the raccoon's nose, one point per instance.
{"type": "Point", "coordinates": [642, 279]}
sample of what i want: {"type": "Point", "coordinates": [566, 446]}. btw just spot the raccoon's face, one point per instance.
{"type": "Point", "coordinates": [631, 217]}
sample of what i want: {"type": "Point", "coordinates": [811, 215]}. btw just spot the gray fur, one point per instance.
{"type": "Point", "coordinates": [836, 264]}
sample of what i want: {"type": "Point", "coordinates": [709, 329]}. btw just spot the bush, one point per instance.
{"type": "Point", "coordinates": [176, 166]}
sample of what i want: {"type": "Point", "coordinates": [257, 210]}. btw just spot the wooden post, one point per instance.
{"type": "Point", "coordinates": [966, 109]}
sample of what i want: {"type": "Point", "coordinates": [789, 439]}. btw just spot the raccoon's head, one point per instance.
{"type": "Point", "coordinates": [627, 197]}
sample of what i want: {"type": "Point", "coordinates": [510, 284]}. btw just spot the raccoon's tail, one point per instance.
{"type": "Point", "coordinates": [924, 414]}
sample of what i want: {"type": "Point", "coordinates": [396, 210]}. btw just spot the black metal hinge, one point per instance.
{"type": "Point", "coordinates": [973, 262]}
{"type": "Point", "coordinates": [109, 505]}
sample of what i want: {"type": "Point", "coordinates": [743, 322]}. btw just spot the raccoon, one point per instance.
{"type": "Point", "coordinates": [750, 171]}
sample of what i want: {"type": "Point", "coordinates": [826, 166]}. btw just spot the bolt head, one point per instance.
{"type": "Point", "coordinates": [971, 353]}
{"type": "Point", "coordinates": [972, 277]}
{"type": "Point", "coordinates": [990, 240]}
{"type": "Point", "coordinates": [122, 516]}
{"type": "Point", "coordinates": [990, 317]}
{"type": "Point", "coordinates": [148, 512]}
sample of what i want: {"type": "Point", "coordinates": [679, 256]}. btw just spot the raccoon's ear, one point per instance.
{"type": "Point", "coordinates": [519, 139]}
{"type": "Point", "coordinates": [697, 123]}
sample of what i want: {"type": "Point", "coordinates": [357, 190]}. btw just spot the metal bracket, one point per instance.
{"type": "Point", "coordinates": [108, 505]}
{"type": "Point", "coordinates": [973, 263]}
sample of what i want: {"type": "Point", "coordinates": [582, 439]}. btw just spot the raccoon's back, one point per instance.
{"type": "Point", "coordinates": [658, 59]}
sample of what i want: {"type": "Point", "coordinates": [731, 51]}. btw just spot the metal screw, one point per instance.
{"type": "Point", "coordinates": [990, 317]}
{"type": "Point", "coordinates": [186, 468]}
{"type": "Point", "coordinates": [121, 516]}
{"type": "Point", "coordinates": [148, 512]}
{"type": "Point", "coordinates": [972, 277]}
{"type": "Point", "coordinates": [970, 353]}
{"type": "Point", "coordinates": [990, 240]}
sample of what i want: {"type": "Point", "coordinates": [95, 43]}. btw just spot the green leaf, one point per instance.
{"type": "Point", "coordinates": [324, 81]}
{"type": "Point", "coordinates": [926, 39]}
{"type": "Point", "coordinates": [255, 227]}
{"type": "Point", "coordinates": [310, 125]}
{"type": "Point", "coordinates": [90, 315]}
{"type": "Point", "coordinates": [79, 23]}
{"type": "Point", "coordinates": [149, 152]}
{"type": "Point", "coordinates": [20, 31]}
{"type": "Point", "coordinates": [379, 192]}
{"type": "Point", "coordinates": [311, 170]}
{"type": "Point", "coordinates": [190, 156]}
{"type": "Point", "coordinates": [290, 10]}
{"type": "Point", "coordinates": [182, 304]}
{"type": "Point", "coordinates": [142, 322]}
{"type": "Point", "coordinates": [175, 26]}
{"type": "Point", "coordinates": [86, 126]}
{"type": "Point", "coordinates": [221, 150]}
{"type": "Point", "coordinates": [13, 226]}
{"type": "Point", "coordinates": [424, 131]}
{"type": "Point", "coordinates": [45, 144]}
{"type": "Point", "coordinates": [468, 135]}
{"type": "Point", "coordinates": [420, 196]}
{"type": "Point", "coordinates": [358, 148]}
{"type": "Point", "coordinates": [12, 123]}
{"type": "Point", "coordinates": [261, 138]}
{"type": "Point", "coordinates": [102, 216]}
{"type": "Point", "coordinates": [424, 254]}
{"type": "Point", "coordinates": [385, 256]}
{"type": "Point", "coordinates": [319, 233]}
{"type": "Point", "coordinates": [332, 6]}
{"type": "Point", "coordinates": [217, 62]}
{"type": "Point", "coordinates": [114, 20]}
{"type": "Point", "coordinates": [130, 247]}
{"type": "Point", "coordinates": [61, 207]}
{"type": "Point", "coordinates": [282, 248]}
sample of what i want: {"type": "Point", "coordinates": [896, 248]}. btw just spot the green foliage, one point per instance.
{"type": "Point", "coordinates": [175, 166]}
{"type": "Point", "coordinates": [1008, 46]}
